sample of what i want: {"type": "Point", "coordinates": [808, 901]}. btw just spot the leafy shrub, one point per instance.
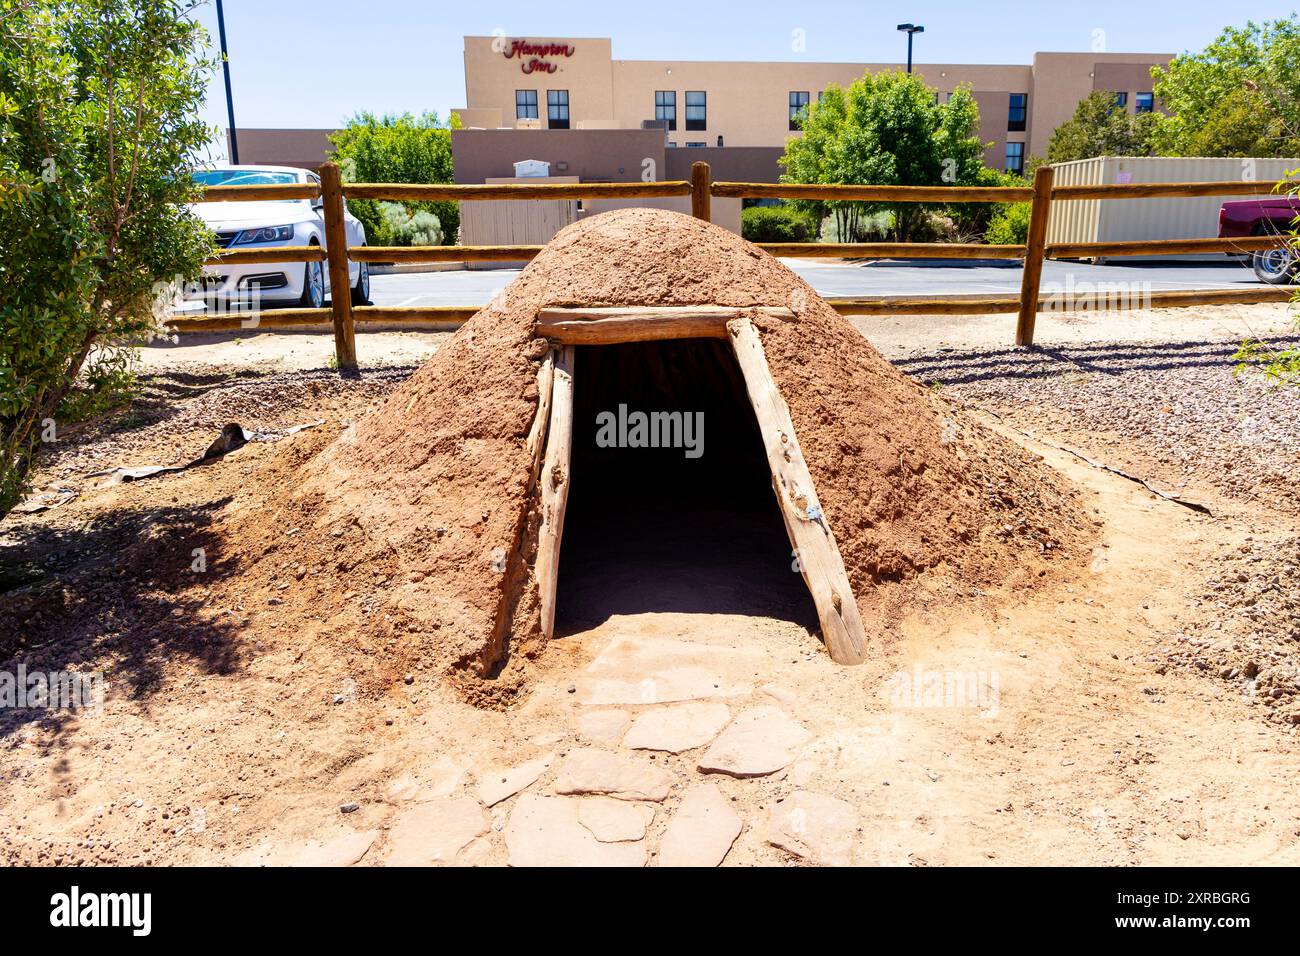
{"type": "Point", "coordinates": [405, 227]}
{"type": "Point", "coordinates": [1009, 225]}
{"type": "Point", "coordinates": [107, 382]}
{"type": "Point", "coordinates": [100, 126]}
{"type": "Point", "coordinates": [971, 220]}
{"type": "Point", "coordinates": [1280, 366]}
{"type": "Point", "coordinates": [777, 224]}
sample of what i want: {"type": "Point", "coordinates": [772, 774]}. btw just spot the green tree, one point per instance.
{"type": "Point", "coordinates": [99, 127]}
{"type": "Point", "coordinates": [1100, 127]}
{"type": "Point", "coordinates": [885, 129]}
{"type": "Point", "coordinates": [1240, 96]}
{"type": "Point", "coordinates": [397, 149]}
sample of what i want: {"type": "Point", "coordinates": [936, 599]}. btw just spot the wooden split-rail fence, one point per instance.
{"type": "Point", "coordinates": [700, 188]}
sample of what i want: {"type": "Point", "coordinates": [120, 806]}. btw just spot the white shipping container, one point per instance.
{"type": "Point", "coordinates": [1127, 220]}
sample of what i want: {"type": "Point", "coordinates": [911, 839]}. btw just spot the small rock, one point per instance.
{"type": "Point", "coordinates": [349, 808]}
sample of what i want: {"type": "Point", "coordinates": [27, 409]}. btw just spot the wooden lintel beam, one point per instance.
{"type": "Point", "coordinates": [612, 326]}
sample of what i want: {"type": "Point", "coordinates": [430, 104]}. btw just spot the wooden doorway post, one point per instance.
{"type": "Point", "coordinates": [555, 485]}
{"type": "Point", "coordinates": [810, 533]}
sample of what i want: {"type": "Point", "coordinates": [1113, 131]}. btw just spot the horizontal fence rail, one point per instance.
{"type": "Point", "coordinates": [443, 253]}
{"type": "Point", "coordinates": [260, 193]}
{"type": "Point", "coordinates": [1165, 190]}
{"type": "Point", "coordinates": [435, 193]}
{"type": "Point", "coordinates": [1164, 247]}
{"type": "Point", "coordinates": [888, 194]}
{"type": "Point", "coordinates": [342, 315]}
{"type": "Point", "coordinates": [237, 257]}
{"type": "Point", "coordinates": [891, 250]}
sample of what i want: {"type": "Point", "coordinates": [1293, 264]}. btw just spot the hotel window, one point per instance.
{"type": "Point", "coordinates": [557, 109]}
{"type": "Point", "coordinates": [1015, 157]}
{"type": "Point", "coordinates": [697, 145]}
{"type": "Point", "coordinates": [1016, 112]}
{"type": "Point", "coordinates": [666, 107]}
{"type": "Point", "coordinates": [525, 104]}
{"type": "Point", "coordinates": [798, 105]}
{"type": "Point", "coordinates": [1121, 101]}
{"type": "Point", "coordinates": [697, 110]}
{"type": "Point", "coordinates": [1146, 102]}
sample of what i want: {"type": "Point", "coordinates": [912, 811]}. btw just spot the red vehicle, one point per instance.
{"type": "Point", "coordinates": [1266, 216]}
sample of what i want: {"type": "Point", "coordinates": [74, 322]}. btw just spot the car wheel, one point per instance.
{"type": "Point", "coordinates": [313, 286]}
{"type": "Point", "coordinates": [1275, 266]}
{"type": "Point", "coordinates": [361, 291]}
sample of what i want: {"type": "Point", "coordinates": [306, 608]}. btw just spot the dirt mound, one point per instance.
{"type": "Point", "coordinates": [411, 533]}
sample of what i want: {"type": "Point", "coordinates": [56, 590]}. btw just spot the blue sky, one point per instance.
{"type": "Point", "coordinates": [296, 63]}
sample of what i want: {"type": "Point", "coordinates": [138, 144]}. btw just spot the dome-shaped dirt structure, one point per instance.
{"type": "Point", "coordinates": [433, 504]}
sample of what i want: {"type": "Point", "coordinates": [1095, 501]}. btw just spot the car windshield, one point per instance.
{"type": "Point", "coordinates": [242, 177]}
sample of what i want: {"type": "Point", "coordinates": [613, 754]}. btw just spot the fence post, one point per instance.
{"type": "Point", "coordinates": [1035, 246]}
{"type": "Point", "coordinates": [336, 248]}
{"type": "Point", "coordinates": [700, 200]}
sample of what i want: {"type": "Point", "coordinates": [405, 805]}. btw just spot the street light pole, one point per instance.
{"type": "Point", "coordinates": [910, 29]}
{"type": "Point", "coordinates": [230, 101]}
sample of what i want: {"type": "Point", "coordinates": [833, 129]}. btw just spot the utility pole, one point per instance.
{"type": "Point", "coordinates": [911, 29]}
{"type": "Point", "coordinates": [230, 101]}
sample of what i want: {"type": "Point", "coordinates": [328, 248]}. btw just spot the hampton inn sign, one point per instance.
{"type": "Point", "coordinates": [531, 55]}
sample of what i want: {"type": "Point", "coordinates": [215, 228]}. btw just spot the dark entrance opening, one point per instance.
{"type": "Point", "coordinates": [692, 527]}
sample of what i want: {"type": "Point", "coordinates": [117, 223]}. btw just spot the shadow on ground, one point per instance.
{"type": "Point", "coordinates": [119, 594]}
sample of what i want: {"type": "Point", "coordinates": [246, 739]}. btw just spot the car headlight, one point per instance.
{"type": "Point", "coordinates": [264, 234]}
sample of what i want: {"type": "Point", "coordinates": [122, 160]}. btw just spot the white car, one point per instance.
{"type": "Point", "coordinates": [270, 223]}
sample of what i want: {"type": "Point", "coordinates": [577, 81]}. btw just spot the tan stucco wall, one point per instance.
{"type": "Point", "coordinates": [748, 102]}
{"type": "Point", "coordinates": [491, 77]}
{"type": "Point", "coordinates": [305, 148]}
{"type": "Point", "coordinates": [1062, 79]}
{"type": "Point", "coordinates": [592, 155]}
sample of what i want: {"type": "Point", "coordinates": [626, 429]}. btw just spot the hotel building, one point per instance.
{"type": "Point", "coordinates": [575, 83]}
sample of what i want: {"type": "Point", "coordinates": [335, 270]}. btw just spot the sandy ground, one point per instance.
{"type": "Point", "coordinates": [1093, 733]}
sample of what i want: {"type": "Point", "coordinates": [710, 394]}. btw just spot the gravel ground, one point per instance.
{"type": "Point", "coordinates": [1173, 413]}
{"type": "Point", "coordinates": [1248, 632]}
